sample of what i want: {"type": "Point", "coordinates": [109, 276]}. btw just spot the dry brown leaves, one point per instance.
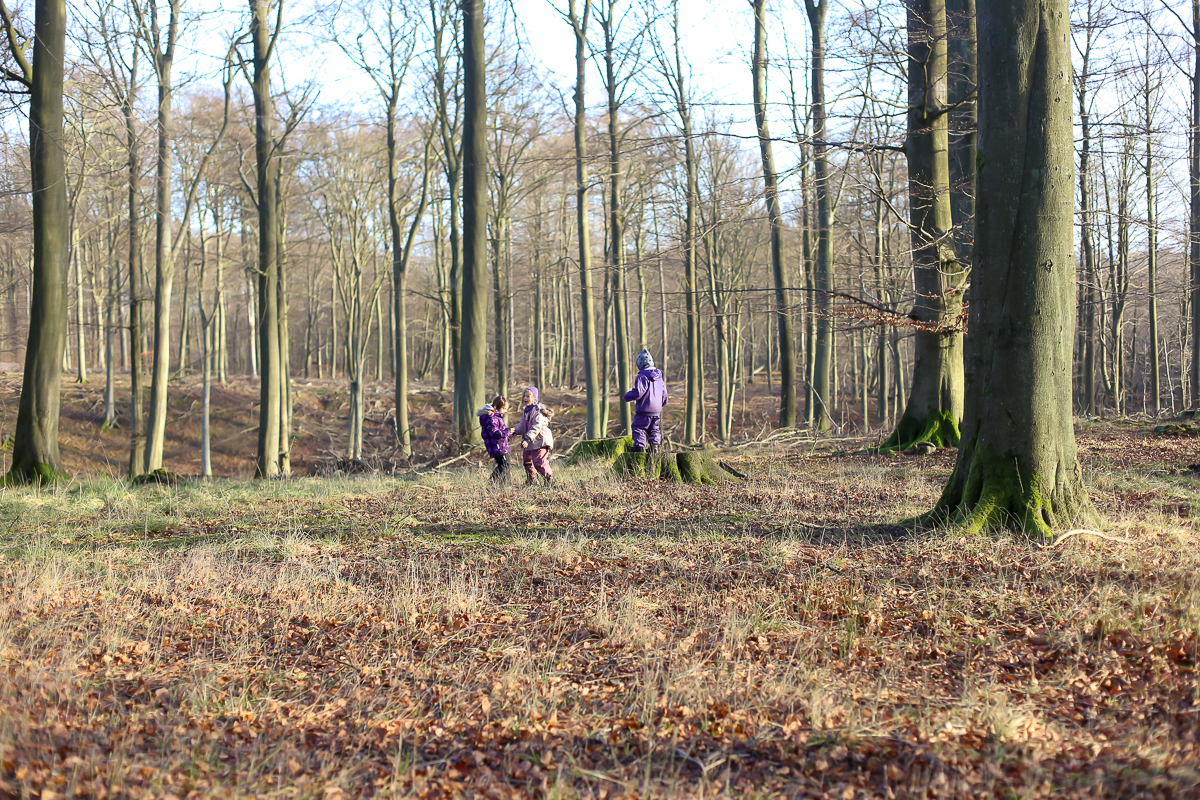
{"type": "Point", "coordinates": [605, 640]}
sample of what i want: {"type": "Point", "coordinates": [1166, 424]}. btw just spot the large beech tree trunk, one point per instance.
{"type": "Point", "coordinates": [935, 399]}
{"type": "Point", "coordinates": [267, 464]}
{"type": "Point", "coordinates": [1017, 464]}
{"type": "Point", "coordinates": [469, 386]}
{"type": "Point", "coordinates": [787, 346]}
{"type": "Point", "coordinates": [35, 440]}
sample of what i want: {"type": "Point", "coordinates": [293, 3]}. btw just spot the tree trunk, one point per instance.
{"type": "Point", "coordinates": [80, 321]}
{"type": "Point", "coordinates": [591, 369]}
{"type": "Point", "coordinates": [1087, 388]}
{"type": "Point", "coordinates": [787, 349]}
{"type": "Point", "coordinates": [400, 253]}
{"type": "Point", "coordinates": [616, 214]}
{"type": "Point", "coordinates": [1017, 464]}
{"type": "Point", "coordinates": [693, 424]}
{"type": "Point", "coordinates": [137, 430]}
{"type": "Point", "coordinates": [823, 386]}
{"type": "Point", "coordinates": [35, 440]}
{"type": "Point", "coordinates": [110, 324]}
{"type": "Point", "coordinates": [206, 335]}
{"type": "Point", "coordinates": [469, 379]}
{"type": "Point", "coordinates": [1152, 248]}
{"type": "Point", "coordinates": [164, 267]}
{"type": "Point", "coordinates": [935, 400]}
{"type": "Point", "coordinates": [963, 67]}
{"type": "Point", "coordinates": [1194, 206]}
{"type": "Point", "coordinates": [284, 343]}
{"type": "Point", "coordinates": [267, 459]}
{"type": "Point", "coordinates": [500, 297]}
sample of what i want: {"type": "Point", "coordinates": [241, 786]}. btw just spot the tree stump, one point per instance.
{"type": "Point", "coordinates": [695, 467]}
{"type": "Point", "coordinates": [606, 450]}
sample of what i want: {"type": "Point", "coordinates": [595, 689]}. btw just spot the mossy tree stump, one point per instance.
{"type": "Point", "coordinates": [606, 450]}
{"type": "Point", "coordinates": [693, 466]}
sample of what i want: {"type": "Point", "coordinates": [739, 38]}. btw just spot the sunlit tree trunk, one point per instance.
{"type": "Point", "coordinates": [162, 58]}
{"type": "Point", "coordinates": [591, 367]}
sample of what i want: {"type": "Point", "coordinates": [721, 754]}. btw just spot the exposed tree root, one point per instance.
{"type": "Point", "coordinates": [996, 493]}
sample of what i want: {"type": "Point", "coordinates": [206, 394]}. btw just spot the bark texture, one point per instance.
{"type": "Point", "coordinates": [787, 346]}
{"type": "Point", "coordinates": [35, 455]}
{"type": "Point", "coordinates": [267, 464]}
{"type": "Point", "coordinates": [469, 386]}
{"type": "Point", "coordinates": [935, 400]}
{"type": "Point", "coordinates": [1017, 464]}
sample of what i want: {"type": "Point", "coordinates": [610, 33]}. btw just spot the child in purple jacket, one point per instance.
{"type": "Point", "coordinates": [495, 437]}
{"type": "Point", "coordinates": [649, 392]}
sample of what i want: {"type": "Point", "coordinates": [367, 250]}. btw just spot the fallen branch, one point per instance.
{"type": "Point", "coordinates": [1082, 531]}
{"type": "Point", "coordinates": [725, 466]}
{"type": "Point", "coordinates": [435, 464]}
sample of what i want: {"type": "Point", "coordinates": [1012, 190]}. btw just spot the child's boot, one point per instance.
{"type": "Point", "coordinates": [549, 479]}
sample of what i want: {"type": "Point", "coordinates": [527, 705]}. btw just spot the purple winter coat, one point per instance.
{"type": "Point", "coordinates": [495, 432]}
{"type": "Point", "coordinates": [649, 392]}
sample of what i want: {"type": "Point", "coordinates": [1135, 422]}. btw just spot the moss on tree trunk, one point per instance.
{"type": "Point", "coordinates": [989, 491]}
{"type": "Point", "coordinates": [35, 440]}
{"type": "Point", "coordinates": [1017, 465]}
{"type": "Point", "coordinates": [938, 427]}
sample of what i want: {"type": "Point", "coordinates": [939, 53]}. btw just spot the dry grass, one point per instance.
{"type": "Point", "coordinates": [598, 639]}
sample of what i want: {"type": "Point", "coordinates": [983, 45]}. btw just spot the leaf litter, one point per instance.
{"type": "Point", "coordinates": [777, 637]}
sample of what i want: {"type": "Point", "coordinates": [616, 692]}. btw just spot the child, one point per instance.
{"type": "Point", "coordinates": [650, 393]}
{"type": "Point", "coordinates": [495, 437]}
{"type": "Point", "coordinates": [536, 438]}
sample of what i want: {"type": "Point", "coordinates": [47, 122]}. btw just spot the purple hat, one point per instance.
{"type": "Point", "coordinates": [533, 391]}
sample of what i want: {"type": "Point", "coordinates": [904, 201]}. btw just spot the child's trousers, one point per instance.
{"type": "Point", "coordinates": [645, 429]}
{"type": "Point", "coordinates": [537, 459]}
{"type": "Point", "coordinates": [500, 474]}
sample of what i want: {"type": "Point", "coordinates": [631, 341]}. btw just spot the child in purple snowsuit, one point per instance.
{"type": "Point", "coordinates": [649, 392]}
{"type": "Point", "coordinates": [495, 437]}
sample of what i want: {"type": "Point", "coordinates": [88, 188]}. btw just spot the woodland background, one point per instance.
{"type": "Point", "coordinates": [669, 65]}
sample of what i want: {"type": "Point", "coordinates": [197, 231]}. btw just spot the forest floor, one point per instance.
{"type": "Point", "coordinates": [429, 636]}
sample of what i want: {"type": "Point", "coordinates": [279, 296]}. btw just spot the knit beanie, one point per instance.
{"type": "Point", "coordinates": [645, 360]}
{"type": "Point", "coordinates": [534, 392]}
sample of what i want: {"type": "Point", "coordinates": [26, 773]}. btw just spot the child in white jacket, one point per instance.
{"type": "Point", "coordinates": [536, 438]}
